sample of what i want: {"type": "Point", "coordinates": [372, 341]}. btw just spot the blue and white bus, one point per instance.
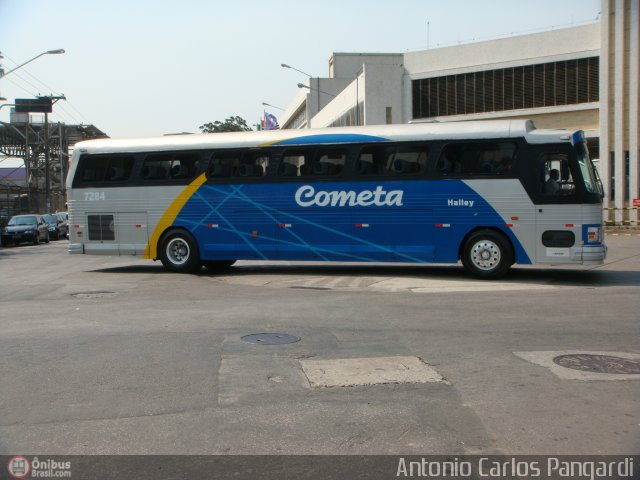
{"type": "Point", "coordinates": [488, 194]}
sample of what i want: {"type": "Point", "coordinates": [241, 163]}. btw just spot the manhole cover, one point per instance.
{"type": "Point", "coordinates": [588, 362]}
{"type": "Point", "coordinates": [270, 338]}
{"type": "Point", "coordinates": [93, 294]}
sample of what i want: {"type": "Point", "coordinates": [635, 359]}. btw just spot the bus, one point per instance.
{"type": "Point", "coordinates": [487, 194]}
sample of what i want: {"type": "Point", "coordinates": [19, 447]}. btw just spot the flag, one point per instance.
{"type": "Point", "coordinates": [270, 121]}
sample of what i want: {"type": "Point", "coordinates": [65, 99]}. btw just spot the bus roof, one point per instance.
{"type": "Point", "coordinates": [335, 135]}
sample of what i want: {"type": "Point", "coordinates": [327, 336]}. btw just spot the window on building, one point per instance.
{"type": "Point", "coordinates": [532, 86]}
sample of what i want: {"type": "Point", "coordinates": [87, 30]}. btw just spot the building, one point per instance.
{"type": "Point", "coordinates": [556, 78]}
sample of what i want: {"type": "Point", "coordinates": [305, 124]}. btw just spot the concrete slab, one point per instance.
{"type": "Point", "coordinates": [545, 359]}
{"type": "Point", "coordinates": [378, 283]}
{"type": "Point", "coordinates": [346, 372]}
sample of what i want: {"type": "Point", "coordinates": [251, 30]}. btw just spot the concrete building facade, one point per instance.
{"type": "Point", "coordinates": [584, 77]}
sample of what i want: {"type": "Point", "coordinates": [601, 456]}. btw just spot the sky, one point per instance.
{"type": "Point", "coordinates": [150, 67]}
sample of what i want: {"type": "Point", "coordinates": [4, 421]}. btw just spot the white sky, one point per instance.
{"type": "Point", "coordinates": [149, 67]}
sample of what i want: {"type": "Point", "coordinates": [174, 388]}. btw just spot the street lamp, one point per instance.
{"type": "Point", "coordinates": [48, 52]}
{"type": "Point", "coordinates": [302, 85]}
{"type": "Point", "coordinates": [269, 105]}
{"type": "Point", "coordinates": [284, 65]}
{"type": "Point", "coordinates": [3, 74]}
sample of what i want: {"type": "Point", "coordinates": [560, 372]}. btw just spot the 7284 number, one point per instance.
{"type": "Point", "coordinates": [94, 196]}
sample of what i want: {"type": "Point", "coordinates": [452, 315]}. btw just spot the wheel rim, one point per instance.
{"type": "Point", "coordinates": [178, 251]}
{"type": "Point", "coordinates": [485, 255]}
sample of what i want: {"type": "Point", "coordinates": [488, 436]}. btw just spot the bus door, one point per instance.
{"type": "Point", "coordinates": [558, 211]}
{"type": "Point", "coordinates": [131, 232]}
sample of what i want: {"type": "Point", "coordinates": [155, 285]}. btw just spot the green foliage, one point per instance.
{"type": "Point", "coordinates": [231, 124]}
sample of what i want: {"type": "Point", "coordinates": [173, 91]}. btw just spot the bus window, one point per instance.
{"type": "Point", "coordinates": [556, 176]}
{"type": "Point", "coordinates": [329, 162]}
{"type": "Point", "coordinates": [104, 168]}
{"type": "Point", "coordinates": [477, 159]}
{"type": "Point", "coordinates": [371, 161]}
{"type": "Point", "coordinates": [174, 166]}
{"type": "Point", "coordinates": [407, 160]}
{"type": "Point", "coordinates": [224, 163]}
{"type": "Point", "coordinates": [252, 164]}
{"type": "Point", "coordinates": [296, 163]}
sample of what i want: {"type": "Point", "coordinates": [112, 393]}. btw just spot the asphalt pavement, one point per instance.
{"type": "Point", "coordinates": [112, 355]}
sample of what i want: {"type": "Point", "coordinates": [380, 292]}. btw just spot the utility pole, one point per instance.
{"type": "Point", "coordinates": [27, 161]}
{"type": "Point", "coordinates": [47, 185]}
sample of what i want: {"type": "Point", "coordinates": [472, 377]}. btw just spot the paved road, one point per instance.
{"type": "Point", "coordinates": [113, 355]}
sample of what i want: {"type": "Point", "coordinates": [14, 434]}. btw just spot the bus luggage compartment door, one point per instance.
{"type": "Point", "coordinates": [557, 240]}
{"type": "Point", "coordinates": [131, 232]}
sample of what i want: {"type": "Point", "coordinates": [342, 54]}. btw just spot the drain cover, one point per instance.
{"type": "Point", "coordinates": [270, 338]}
{"type": "Point", "coordinates": [588, 362]}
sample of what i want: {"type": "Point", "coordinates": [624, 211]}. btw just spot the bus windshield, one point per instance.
{"type": "Point", "coordinates": [592, 183]}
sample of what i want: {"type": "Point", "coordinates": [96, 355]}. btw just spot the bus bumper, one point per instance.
{"type": "Point", "coordinates": [76, 248]}
{"type": "Point", "coordinates": [593, 254]}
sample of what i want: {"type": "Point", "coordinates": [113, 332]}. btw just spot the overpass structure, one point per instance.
{"type": "Point", "coordinates": [45, 151]}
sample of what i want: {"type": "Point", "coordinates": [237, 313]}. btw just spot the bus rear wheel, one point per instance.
{"type": "Point", "coordinates": [487, 254]}
{"type": "Point", "coordinates": [179, 252]}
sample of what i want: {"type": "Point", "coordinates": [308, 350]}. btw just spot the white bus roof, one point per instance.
{"type": "Point", "coordinates": [405, 132]}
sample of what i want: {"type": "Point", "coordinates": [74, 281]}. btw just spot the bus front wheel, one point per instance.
{"type": "Point", "coordinates": [487, 254]}
{"type": "Point", "coordinates": [179, 252]}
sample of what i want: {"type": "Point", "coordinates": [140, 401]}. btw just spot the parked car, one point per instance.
{"type": "Point", "coordinates": [25, 228]}
{"type": "Point", "coordinates": [64, 216]}
{"type": "Point", "coordinates": [56, 225]}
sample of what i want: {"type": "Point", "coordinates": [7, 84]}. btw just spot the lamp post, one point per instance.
{"type": "Point", "coordinates": [284, 65]}
{"type": "Point", "coordinates": [3, 74]}
{"type": "Point", "coordinates": [269, 105]}
{"type": "Point", "coordinates": [48, 52]}
{"type": "Point", "coordinates": [302, 85]}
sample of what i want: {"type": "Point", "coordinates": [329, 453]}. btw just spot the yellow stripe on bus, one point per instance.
{"type": "Point", "coordinates": [169, 216]}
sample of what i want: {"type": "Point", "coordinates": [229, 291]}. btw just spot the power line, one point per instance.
{"type": "Point", "coordinates": [52, 90]}
{"type": "Point", "coordinates": [25, 71]}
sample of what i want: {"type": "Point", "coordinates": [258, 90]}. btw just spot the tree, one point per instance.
{"type": "Point", "coordinates": [231, 124]}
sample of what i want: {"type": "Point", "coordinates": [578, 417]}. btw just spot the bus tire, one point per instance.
{"type": "Point", "coordinates": [179, 252]}
{"type": "Point", "coordinates": [214, 265]}
{"type": "Point", "coordinates": [487, 254]}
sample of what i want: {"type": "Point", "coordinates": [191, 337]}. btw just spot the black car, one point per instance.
{"type": "Point", "coordinates": [25, 228]}
{"type": "Point", "coordinates": [64, 217]}
{"type": "Point", "coordinates": [56, 225]}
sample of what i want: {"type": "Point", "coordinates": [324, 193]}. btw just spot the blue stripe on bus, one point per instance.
{"type": "Point", "coordinates": [331, 138]}
{"type": "Point", "coordinates": [248, 221]}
